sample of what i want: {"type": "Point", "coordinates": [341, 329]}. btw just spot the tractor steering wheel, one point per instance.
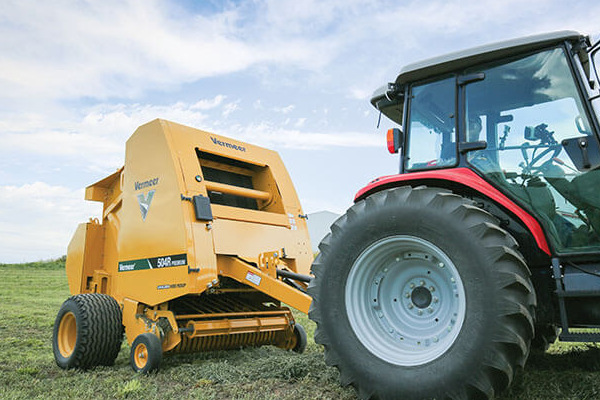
{"type": "Point", "coordinates": [556, 148]}
{"type": "Point", "coordinates": [545, 137]}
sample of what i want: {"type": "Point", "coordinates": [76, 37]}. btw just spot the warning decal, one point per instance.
{"type": "Point", "coordinates": [251, 277]}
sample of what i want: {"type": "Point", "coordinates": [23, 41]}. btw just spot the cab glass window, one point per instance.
{"type": "Point", "coordinates": [431, 125]}
{"type": "Point", "coordinates": [530, 113]}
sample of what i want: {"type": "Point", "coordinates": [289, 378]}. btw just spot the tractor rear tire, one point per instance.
{"type": "Point", "coordinates": [419, 294]}
{"type": "Point", "coordinates": [87, 331]}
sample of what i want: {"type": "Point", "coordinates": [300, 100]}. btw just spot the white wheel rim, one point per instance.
{"type": "Point", "coordinates": [405, 300]}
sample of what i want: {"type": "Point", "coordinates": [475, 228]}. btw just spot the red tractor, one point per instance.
{"type": "Point", "coordinates": [438, 280]}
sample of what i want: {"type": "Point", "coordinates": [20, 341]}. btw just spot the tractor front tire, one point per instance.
{"type": "Point", "coordinates": [87, 331]}
{"type": "Point", "coordinates": [419, 294]}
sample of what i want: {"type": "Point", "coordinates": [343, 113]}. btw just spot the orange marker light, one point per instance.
{"type": "Point", "coordinates": [393, 140]}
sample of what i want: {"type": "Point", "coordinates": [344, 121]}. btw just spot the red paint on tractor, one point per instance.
{"type": "Point", "coordinates": [468, 178]}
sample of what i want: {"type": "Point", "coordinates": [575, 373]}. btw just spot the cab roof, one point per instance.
{"type": "Point", "coordinates": [382, 98]}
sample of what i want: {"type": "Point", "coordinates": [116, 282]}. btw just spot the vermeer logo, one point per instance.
{"type": "Point", "coordinates": [145, 184]}
{"type": "Point", "coordinates": [175, 260]}
{"type": "Point", "coordinates": [144, 202]}
{"type": "Point", "coordinates": [228, 145]}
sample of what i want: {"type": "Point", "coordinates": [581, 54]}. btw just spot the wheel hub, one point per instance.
{"type": "Point", "coordinates": [417, 324]}
{"type": "Point", "coordinates": [421, 297]}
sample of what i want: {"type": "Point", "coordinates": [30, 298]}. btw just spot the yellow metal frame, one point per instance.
{"type": "Point", "coordinates": [253, 277]}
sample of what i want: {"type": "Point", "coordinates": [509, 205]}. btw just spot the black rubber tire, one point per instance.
{"type": "Point", "coordinates": [96, 331]}
{"type": "Point", "coordinates": [301, 339]}
{"type": "Point", "coordinates": [498, 325]}
{"type": "Point", "coordinates": [545, 336]}
{"type": "Point", "coordinates": [151, 348]}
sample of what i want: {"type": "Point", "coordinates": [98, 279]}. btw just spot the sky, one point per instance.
{"type": "Point", "coordinates": [78, 77]}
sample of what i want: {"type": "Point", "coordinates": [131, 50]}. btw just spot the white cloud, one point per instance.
{"type": "Point", "coordinates": [38, 220]}
{"type": "Point", "coordinates": [284, 110]}
{"type": "Point", "coordinates": [274, 136]}
{"type": "Point", "coordinates": [104, 128]}
{"type": "Point", "coordinates": [208, 104]}
{"type": "Point", "coordinates": [97, 139]}
{"type": "Point", "coordinates": [69, 49]}
{"type": "Point", "coordinates": [230, 108]}
{"type": "Point", "coordinates": [361, 93]}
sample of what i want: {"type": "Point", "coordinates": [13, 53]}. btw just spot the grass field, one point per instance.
{"type": "Point", "coordinates": [31, 294]}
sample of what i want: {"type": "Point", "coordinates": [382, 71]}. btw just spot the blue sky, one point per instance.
{"type": "Point", "coordinates": [77, 78]}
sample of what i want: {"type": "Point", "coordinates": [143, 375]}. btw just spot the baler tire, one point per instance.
{"type": "Point", "coordinates": [146, 353]}
{"type": "Point", "coordinates": [449, 259]}
{"type": "Point", "coordinates": [87, 331]}
{"type": "Point", "coordinates": [301, 339]}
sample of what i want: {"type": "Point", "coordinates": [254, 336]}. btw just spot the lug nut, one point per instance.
{"type": "Point", "coordinates": [441, 265]}
{"type": "Point", "coordinates": [435, 299]}
{"type": "Point", "coordinates": [422, 283]}
{"type": "Point", "coordinates": [431, 289]}
{"type": "Point", "coordinates": [412, 285]}
{"type": "Point", "coordinates": [410, 306]}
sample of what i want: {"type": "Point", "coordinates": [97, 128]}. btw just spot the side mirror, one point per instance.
{"type": "Point", "coordinates": [395, 137]}
{"type": "Point", "coordinates": [583, 151]}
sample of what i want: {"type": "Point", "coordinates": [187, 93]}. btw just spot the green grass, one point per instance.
{"type": "Point", "coordinates": [31, 294]}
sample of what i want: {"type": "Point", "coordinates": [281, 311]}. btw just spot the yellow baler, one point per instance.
{"type": "Point", "coordinates": [201, 239]}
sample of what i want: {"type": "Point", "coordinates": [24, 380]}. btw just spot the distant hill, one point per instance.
{"type": "Point", "coordinates": [318, 226]}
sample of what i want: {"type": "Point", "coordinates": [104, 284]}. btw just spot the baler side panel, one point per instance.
{"type": "Point", "coordinates": [153, 243]}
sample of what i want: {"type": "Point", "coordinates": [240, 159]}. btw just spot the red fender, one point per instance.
{"type": "Point", "coordinates": [466, 177]}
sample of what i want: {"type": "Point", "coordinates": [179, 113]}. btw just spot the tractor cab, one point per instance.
{"type": "Point", "coordinates": [523, 115]}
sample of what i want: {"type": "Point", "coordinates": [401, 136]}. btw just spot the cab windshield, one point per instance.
{"type": "Point", "coordinates": [530, 113]}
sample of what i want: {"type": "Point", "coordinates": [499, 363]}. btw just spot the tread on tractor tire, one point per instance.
{"type": "Point", "coordinates": [419, 294]}
{"type": "Point", "coordinates": [87, 331]}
